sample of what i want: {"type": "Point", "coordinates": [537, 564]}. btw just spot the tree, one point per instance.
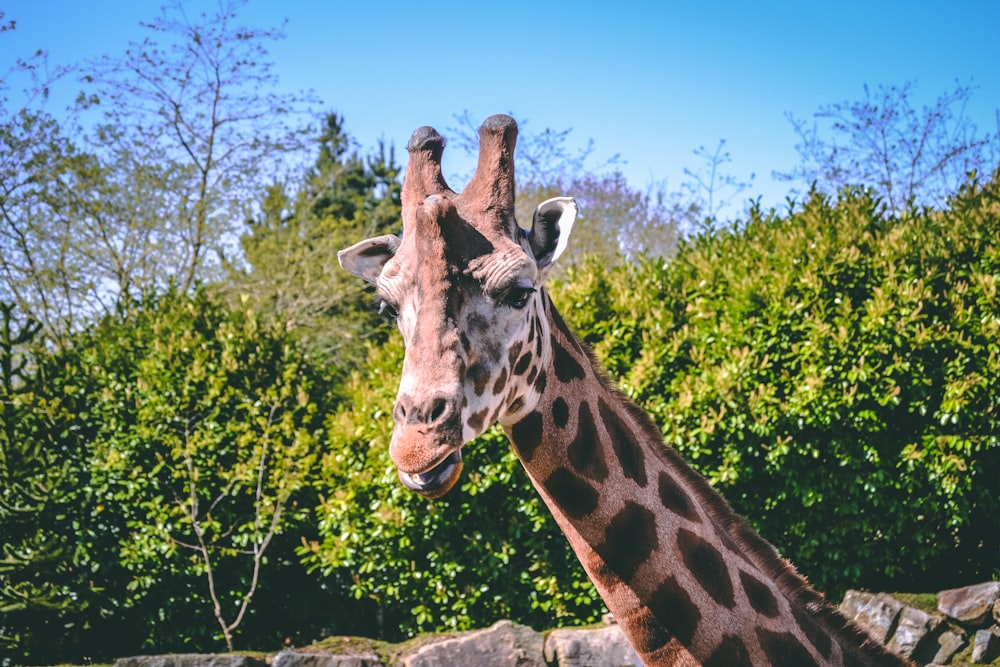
{"type": "Point", "coordinates": [208, 450]}
{"type": "Point", "coordinates": [290, 246]}
{"type": "Point", "coordinates": [908, 155]}
{"type": "Point", "coordinates": [179, 438]}
{"type": "Point", "coordinates": [154, 193]}
{"type": "Point", "coordinates": [37, 167]}
{"type": "Point", "coordinates": [198, 98]}
{"type": "Point", "coordinates": [709, 189]}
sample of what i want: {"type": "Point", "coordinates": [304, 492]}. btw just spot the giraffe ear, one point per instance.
{"type": "Point", "coordinates": [550, 229]}
{"type": "Point", "coordinates": [365, 259]}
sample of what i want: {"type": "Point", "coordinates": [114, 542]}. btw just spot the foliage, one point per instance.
{"type": "Point", "coordinates": [907, 155]}
{"type": "Point", "coordinates": [829, 371]}
{"type": "Point", "coordinates": [487, 550]}
{"type": "Point", "coordinates": [290, 246]}
{"type": "Point", "coordinates": [154, 192]}
{"type": "Point", "coordinates": [29, 478]}
{"type": "Point", "coordinates": [211, 442]}
{"type": "Point", "coordinates": [616, 221]}
{"type": "Point", "coordinates": [45, 182]}
{"type": "Point", "coordinates": [198, 99]}
{"type": "Point", "coordinates": [191, 432]}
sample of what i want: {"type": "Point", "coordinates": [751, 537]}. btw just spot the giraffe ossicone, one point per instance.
{"type": "Point", "coordinates": [688, 580]}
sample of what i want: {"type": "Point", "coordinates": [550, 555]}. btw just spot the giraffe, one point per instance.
{"type": "Point", "coordinates": [689, 582]}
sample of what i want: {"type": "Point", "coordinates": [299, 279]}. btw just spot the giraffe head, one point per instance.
{"type": "Point", "coordinates": [464, 285]}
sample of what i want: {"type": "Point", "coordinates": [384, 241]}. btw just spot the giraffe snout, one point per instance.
{"type": "Point", "coordinates": [426, 443]}
{"type": "Point", "coordinates": [428, 411]}
{"type": "Point", "coordinates": [428, 428]}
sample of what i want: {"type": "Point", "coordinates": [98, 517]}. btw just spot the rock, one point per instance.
{"type": "Point", "coordinates": [504, 644]}
{"type": "Point", "coordinates": [986, 645]}
{"type": "Point", "coordinates": [297, 659]}
{"type": "Point", "coordinates": [190, 660]}
{"type": "Point", "coordinates": [972, 605]}
{"type": "Point", "coordinates": [578, 647]}
{"type": "Point", "coordinates": [875, 614]}
{"type": "Point", "coordinates": [940, 647]}
{"type": "Point", "coordinates": [912, 627]}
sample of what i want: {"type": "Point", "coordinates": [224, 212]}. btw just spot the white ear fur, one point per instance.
{"type": "Point", "coordinates": [551, 225]}
{"type": "Point", "coordinates": [365, 259]}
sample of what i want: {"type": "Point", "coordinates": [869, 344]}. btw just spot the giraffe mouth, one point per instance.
{"type": "Point", "coordinates": [437, 481]}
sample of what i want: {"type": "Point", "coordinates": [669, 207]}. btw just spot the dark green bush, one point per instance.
{"type": "Point", "coordinates": [834, 373]}
{"type": "Point", "coordinates": [831, 371]}
{"type": "Point", "coordinates": [487, 550]}
{"type": "Point", "coordinates": [175, 400]}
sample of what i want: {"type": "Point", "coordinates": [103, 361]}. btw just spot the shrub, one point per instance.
{"type": "Point", "coordinates": [830, 372]}
{"type": "Point", "coordinates": [487, 550]}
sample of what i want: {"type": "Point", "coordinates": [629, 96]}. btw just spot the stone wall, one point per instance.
{"type": "Point", "coordinates": [961, 627]}
{"type": "Point", "coordinates": [504, 644]}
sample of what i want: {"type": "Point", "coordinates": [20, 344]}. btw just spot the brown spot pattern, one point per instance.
{"type": "Point", "coordinates": [515, 352]}
{"type": "Point", "coordinates": [585, 452]}
{"type": "Point", "coordinates": [567, 368]}
{"type": "Point", "coordinates": [501, 383]}
{"type": "Point", "coordinates": [540, 382]}
{"type": "Point", "coordinates": [760, 596]}
{"type": "Point", "coordinates": [673, 607]}
{"type": "Point", "coordinates": [479, 376]}
{"type": "Point", "coordinates": [783, 649]}
{"type": "Point", "coordinates": [629, 540]}
{"type": "Point", "coordinates": [851, 660]}
{"type": "Point", "coordinates": [731, 652]}
{"type": "Point", "coordinates": [522, 363]}
{"type": "Point", "coordinates": [527, 435]}
{"type": "Point", "coordinates": [647, 631]}
{"type": "Point", "coordinates": [560, 412]}
{"type": "Point", "coordinates": [476, 420]}
{"type": "Point", "coordinates": [575, 496]}
{"type": "Point", "coordinates": [626, 448]}
{"type": "Point", "coordinates": [675, 499]}
{"type": "Point", "coordinates": [706, 564]}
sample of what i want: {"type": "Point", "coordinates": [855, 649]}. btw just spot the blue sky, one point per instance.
{"type": "Point", "coordinates": [651, 81]}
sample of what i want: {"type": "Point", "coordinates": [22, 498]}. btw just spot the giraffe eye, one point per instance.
{"type": "Point", "coordinates": [518, 297]}
{"type": "Point", "coordinates": [386, 310]}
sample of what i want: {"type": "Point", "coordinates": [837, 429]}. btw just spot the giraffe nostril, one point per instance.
{"type": "Point", "coordinates": [438, 409]}
{"type": "Point", "coordinates": [399, 413]}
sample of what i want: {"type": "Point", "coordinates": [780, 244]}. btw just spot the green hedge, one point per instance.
{"type": "Point", "coordinates": [831, 371]}
{"type": "Point", "coordinates": [487, 550]}
{"type": "Point", "coordinates": [834, 372]}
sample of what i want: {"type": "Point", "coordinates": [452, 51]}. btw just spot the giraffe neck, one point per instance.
{"type": "Point", "coordinates": [687, 579]}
